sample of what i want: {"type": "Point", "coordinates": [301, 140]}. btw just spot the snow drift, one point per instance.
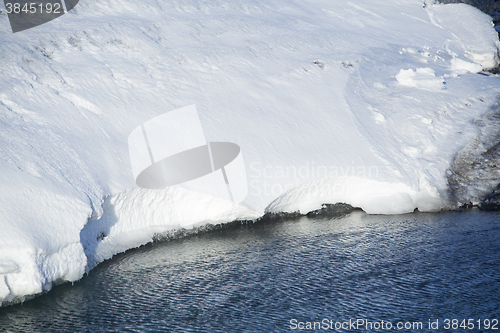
{"type": "Point", "coordinates": [364, 102]}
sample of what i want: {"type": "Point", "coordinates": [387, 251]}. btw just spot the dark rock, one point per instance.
{"type": "Point", "coordinates": [335, 210]}
{"type": "Point", "coordinates": [492, 201]}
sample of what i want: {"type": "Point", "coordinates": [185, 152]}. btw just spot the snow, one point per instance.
{"type": "Point", "coordinates": [366, 103]}
{"type": "Point", "coordinates": [472, 30]}
{"type": "Point", "coordinates": [133, 217]}
{"type": "Point", "coordinates": [422, 78]}
{"type": "Point", "coordinates": [374, 197]}
{"type": "Point", "coordinates": [460, 66]}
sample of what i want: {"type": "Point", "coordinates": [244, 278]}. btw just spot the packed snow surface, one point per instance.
{"type": "Point", "coordinates": [363, 102]}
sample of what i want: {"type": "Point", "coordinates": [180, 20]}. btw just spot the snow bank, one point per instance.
{"type": "Point", "coordinates": [133, 217]}
{"type": "Point", "coordinates": [423, 78]}
{"type": "Point", "coordinates": [473, 32]}
{"type": "Point", "coordinates": [365, 103]}
{"type": "Point", "coordinates": [374, 197]}
{"type": "Point", "coordinates": [39, 241]}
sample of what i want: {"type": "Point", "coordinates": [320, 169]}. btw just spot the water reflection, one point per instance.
{"type": "Point", "coordinates": [255, 278]}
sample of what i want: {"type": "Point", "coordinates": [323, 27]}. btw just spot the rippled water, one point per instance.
{"type": "Point", "coordinates": [256, 278]}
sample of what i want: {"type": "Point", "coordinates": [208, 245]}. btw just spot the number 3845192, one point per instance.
{"type": "Point", "coordinates": [470, 324]}
{"type": "Point", "coordinates": [33, 8]}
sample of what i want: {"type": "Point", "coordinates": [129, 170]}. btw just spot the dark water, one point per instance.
{"type": "Point", "coordinates": [408, 268]}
